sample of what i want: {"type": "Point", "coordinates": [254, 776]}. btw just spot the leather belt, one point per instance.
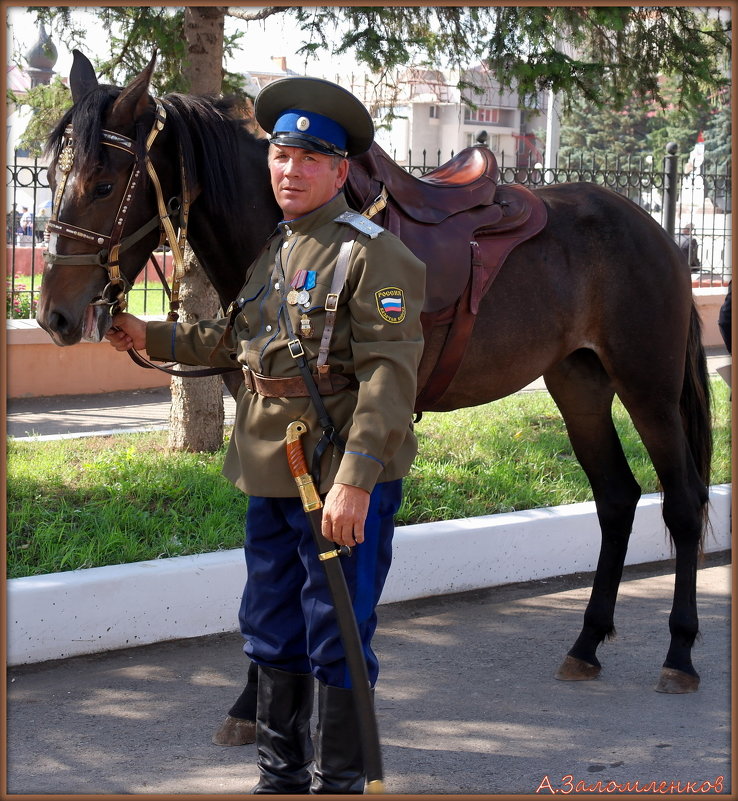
{"type": "Point", "coordinates": [271, 387]}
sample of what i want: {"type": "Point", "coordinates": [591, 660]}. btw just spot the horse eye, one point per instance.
{"type": "Point", "coordinates": [103, 190]}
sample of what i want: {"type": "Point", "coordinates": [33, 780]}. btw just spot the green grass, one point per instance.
{"type": "Point", "coordinates": [109, 500]}
{"type": "Point", "coordinates": [145, 301]}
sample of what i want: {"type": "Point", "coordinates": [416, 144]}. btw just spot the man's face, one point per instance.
{"type": "Point", "coordinates": [302, 179]}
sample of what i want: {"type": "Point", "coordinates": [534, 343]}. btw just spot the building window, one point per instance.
{"type": "Point", "coordinates": [489, 115]}
{"type": "Point", "coordinates": [434, 112]}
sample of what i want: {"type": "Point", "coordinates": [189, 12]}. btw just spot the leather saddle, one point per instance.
{"type": "Point", "coordinates": [462, 225]}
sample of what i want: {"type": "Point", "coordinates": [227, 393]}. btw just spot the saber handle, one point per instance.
{"type": "Point", "coordinates": [299, 469]}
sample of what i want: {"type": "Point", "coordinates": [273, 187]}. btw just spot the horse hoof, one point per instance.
{"type": "Point", "coordinates": [573, 669]}
{"type": "Point", "coordinates": [677, 681]}
{"type": "Point", "coordinates": [234, 731]}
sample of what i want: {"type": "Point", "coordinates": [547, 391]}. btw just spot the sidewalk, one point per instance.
{"type": "Point", "coordinates": [146, 409]}
{"type": "Point", "coordinates": [466, 701]}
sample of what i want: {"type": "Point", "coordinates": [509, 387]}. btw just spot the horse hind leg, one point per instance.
{"type": "Point", "coordinates": [685, 499]}
{"type": "Point", "coordinates": [583, 392]}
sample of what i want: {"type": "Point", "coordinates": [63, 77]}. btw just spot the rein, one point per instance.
{"type": "Point", "coordinates": [113, 244]}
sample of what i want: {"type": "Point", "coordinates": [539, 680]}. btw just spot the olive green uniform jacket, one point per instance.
{"type": "Point", "coordinates": [378, 341]}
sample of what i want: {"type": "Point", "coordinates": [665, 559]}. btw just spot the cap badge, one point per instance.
{"type": "Point", "coordinates": [303, 123]}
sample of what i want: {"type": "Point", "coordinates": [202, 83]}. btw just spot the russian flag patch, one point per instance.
{"type": "Point", "coordinates": [391, 304]}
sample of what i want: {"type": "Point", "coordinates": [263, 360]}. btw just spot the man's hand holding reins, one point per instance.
{"type": "Point", "coordinates": [127, 332]}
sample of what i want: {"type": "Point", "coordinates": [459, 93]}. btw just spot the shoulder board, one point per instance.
{"type": "Point", "coordinates": [360, 223]}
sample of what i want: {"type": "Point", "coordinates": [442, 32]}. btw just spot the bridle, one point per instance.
{"type": "Point", "coordinates": [112, 245]}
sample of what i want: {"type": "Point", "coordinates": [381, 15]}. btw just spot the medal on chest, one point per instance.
{"type": "Point", "coordinates": [299, 294]}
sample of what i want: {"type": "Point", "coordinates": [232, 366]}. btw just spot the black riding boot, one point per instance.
{"type": "Point", "coordinates": [339, 766]}
{"type": "Point", "coordinates": [285, 751]}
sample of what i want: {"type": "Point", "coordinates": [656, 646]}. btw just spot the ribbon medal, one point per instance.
{"type": "Point", "coordinates": [299, 292]}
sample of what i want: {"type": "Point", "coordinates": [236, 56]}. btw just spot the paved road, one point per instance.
{"type": "Point", "coordinates": [466, 701]}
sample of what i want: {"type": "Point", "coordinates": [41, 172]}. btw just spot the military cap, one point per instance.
{"type": "Point", "coordinates": [316, 115]}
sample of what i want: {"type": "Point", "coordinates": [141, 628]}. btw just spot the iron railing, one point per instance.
{"type": "Point", "coordinates": [673, 195]}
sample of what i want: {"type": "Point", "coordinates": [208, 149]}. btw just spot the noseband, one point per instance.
{"type": "Point", "coordinates": [113, 244]}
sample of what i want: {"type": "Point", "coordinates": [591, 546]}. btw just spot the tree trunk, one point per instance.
{"type": "Point", "coordinates": [196, 415]}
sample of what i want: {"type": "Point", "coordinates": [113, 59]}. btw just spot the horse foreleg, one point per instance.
{"type": "Point", "coordinates": [239, 726]}
{"type": "Point", "coordinates": [582, 391]}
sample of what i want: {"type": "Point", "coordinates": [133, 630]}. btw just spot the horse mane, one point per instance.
{"type": "Point", "coordinates": [208, 130]}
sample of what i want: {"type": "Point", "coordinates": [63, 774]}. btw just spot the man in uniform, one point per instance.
{"type": "Point", "coordinates": [351, 293]}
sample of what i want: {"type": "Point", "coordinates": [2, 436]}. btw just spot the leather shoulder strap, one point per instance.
{"type": "Point", "coordinates": [331, 305]}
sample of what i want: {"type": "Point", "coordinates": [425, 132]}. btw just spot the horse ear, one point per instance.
{"type": "Point", "coordinates": [132, 101]}
{"type": "Point", "coordinates": [82, 78]}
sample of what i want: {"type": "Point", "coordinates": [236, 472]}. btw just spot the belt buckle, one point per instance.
{"type": "Point", "coordinates": [331, 302]}
{"type": "Point", "coordinates": [295, 348]}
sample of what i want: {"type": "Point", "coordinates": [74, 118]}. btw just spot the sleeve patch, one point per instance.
{"type": "Point", "coordinates": [391, 304]}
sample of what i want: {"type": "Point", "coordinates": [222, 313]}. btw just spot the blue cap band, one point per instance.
{"type": "Point", "coordinates": [312, 126]}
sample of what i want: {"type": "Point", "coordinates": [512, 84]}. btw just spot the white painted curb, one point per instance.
{"type": "Point", "coordinates": [101, 609]}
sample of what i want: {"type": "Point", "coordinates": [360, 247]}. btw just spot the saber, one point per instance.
{"type": "Point", "coordinates": [327, 551]}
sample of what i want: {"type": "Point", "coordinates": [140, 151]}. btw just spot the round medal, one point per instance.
{"type": "Point", "coordinates": [303, 297]}
{"type": "Point", "coordinates": [292, 296]}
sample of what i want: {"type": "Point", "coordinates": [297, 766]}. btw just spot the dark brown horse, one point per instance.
{"type": "Point", "coordinates": [598, 302]}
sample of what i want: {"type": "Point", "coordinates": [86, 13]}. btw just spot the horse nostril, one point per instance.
{"type": "Point", "coordinates": [58, 323]}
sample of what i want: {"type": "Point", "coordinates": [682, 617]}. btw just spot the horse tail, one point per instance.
{"type": "Point", "coordinates": [695, 404]}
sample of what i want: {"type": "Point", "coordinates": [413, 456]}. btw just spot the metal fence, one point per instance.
{"type": "Point", "coordinates": [675, 196]}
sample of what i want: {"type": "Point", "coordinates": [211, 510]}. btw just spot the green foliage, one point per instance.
{"type": "Point", "coordinates": [601, 55]}
{"type": "Point", "coordinates": [20, 300]}
{"type": "Point", "coordinates": [640, 128]}
{"type": "Point", "coordinates": [718, 131]}
{"type": "Point", "coordinates": [134, 34]}
{"type": "Point", "coordinates": [49, 102]}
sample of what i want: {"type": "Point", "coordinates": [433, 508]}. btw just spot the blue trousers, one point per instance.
{"type": "Point", "coordinates": [287, 616]}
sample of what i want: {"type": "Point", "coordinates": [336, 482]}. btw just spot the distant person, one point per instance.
{"type": "Point", "coordinates": [26, 221]}
{"type": "Point", "coordinates": [724, 318]}
{"type": "Point", "coordinates": [689, 247]}
{"type": "Point", "coordinates": [41, 221]}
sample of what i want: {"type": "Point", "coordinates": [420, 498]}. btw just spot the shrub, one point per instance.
{"type": "Point", "coordinates": [20, 301]}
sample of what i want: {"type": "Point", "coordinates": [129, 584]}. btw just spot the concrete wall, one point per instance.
{"type": "Point", "coordinates": [38, 368]}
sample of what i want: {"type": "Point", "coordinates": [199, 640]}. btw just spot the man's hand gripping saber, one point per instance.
{"type": "Point", "coordinates": [327, 551]}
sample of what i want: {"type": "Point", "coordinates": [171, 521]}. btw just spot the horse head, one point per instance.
{"type": "Point", "coordinates": [105, 220]}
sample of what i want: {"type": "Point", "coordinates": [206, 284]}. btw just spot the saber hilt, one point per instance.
{"type": "Point", "coordinates": [299, 469]}
{"type": "Point", "coordinates": [304, 480]}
